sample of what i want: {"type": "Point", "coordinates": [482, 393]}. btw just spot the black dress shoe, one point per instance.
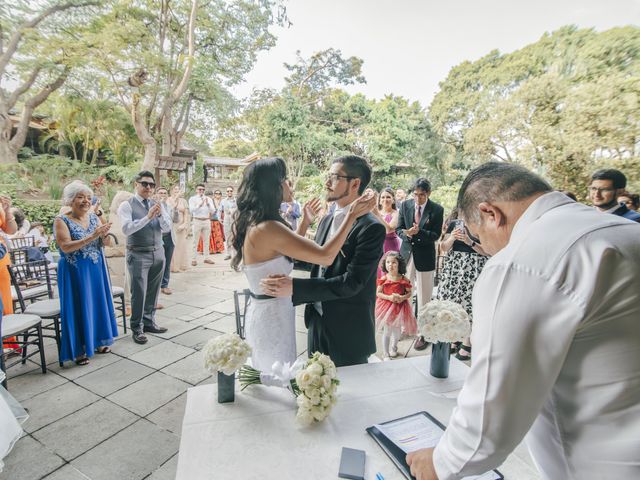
{"type": "Point", "coordinates": [153, 329]}
{"type": "Point", "coordinates": [421, 344]}
{"type": "Point", "coordinates": [139, 337]}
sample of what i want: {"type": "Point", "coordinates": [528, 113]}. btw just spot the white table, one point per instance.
{"type": "Point", "coordinates": [257, 435]}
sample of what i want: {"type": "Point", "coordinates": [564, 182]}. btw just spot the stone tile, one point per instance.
{"type": "Point", "coordinates": [226, 324]}
{"type": "Point", "coordinates": [131, 454]}
{"type": "Point", "coordinates": [56, 403]}
{"type": "Point", "coordinates": [170, 415]}
{"type": "Point", "coordinates": [113, 377]}
{"type": "Point", "coordinates": [67, 473]}
{"type": "Point", "coordinates": [174, 327]}
{"type": "Point", "coordinates": [226, 307]}
{"type": "Point", "coordinates": [72, 371]}
{"type": "Point", "coordinates": [161, 355]}
{"type": "Point", "coordinates": [190, 369]}
{"type": "Point", "coordinates": [28, 460]}
{"type": "Point", "coordinates": [196, 338]}
{"type": "Point", "coordinates": [125, 346]}
{"type": "Point", "coordinates": [174, 311]}
{"type": "Point", "coordinates": [20, 369]}
{"type": "Point", "coordinates": [149, 394]}
{"type": "Point", "coordinates": [167, 471]}
{"type": "Point", "coordinates": [76, 433]}
{"type": "Point", "coordinates": [33, 383]}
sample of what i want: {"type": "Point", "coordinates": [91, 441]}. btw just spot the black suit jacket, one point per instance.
{"type": "Point", "coordinates": [422, 245]}
{"type": "Point", "coordinates": [347, 292]}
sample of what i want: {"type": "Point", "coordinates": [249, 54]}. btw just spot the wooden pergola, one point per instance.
{"type": "Point", "coordinates": [183, 162]}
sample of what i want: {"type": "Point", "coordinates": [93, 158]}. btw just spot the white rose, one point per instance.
{"type": "Point", "coordinates": [315, 369]}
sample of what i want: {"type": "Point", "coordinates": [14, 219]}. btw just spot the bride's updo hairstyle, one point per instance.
{"type": "Point", "coordinates": [259, 198]}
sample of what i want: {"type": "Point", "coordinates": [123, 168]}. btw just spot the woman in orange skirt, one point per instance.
{"type": "Point", "coordinates": [7, 225]}
{"type": "Point", "coordinates": [216, 239]}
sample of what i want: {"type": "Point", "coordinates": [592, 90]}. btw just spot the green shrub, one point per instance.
{"type": "Point", "coordinates": [39, 211]}
{"type": "Point", "coordinates": [55, 189]}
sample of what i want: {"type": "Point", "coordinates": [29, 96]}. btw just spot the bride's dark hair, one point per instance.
{"type": "Point", "coordinates": [259, 199]}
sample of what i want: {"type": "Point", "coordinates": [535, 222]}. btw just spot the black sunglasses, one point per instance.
{"type": "Point", "coordinates": [148, 184]}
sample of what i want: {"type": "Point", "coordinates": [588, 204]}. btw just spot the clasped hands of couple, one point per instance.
{"type": "Point", "coordinates": [282, 285]}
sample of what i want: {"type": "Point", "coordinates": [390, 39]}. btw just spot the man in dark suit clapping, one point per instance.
{"type": "Point", "coordinates": [419, 227]}
{"type": "Point", "coordinates": [341, 297]}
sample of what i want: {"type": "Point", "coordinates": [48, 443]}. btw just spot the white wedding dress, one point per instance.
{"type": "Point", "coordinates": [11, 416]}
{"type": "Point", "coordinates": [270, 327]}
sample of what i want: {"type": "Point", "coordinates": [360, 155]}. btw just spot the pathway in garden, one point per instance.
{"type": "Point", "coordinates": [121, 416]}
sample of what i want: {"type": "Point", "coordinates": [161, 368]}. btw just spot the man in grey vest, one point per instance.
{"type": "Point", "coordinates": [143, 221]}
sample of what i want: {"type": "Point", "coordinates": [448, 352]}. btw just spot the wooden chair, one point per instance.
{"type": "Point", "coordinates": [25, 326]}
{"type": "Point", "coordinates": [22, 242]}
{"type": "Point", "coordinates": [34, 276]}
{"type": "Point", "coordinates": [241, 300]}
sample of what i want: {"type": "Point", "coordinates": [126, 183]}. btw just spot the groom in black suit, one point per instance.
{"type": "Point", "coordinates": [341, 298]}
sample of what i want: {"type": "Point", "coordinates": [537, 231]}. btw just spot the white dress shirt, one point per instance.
{"type": "Point", "coordinates": [200, 210]}
{"type": "Point", "coordinates": [556, 342]}
{"type": "Point", "coordinates": [130, 226]}
{"type": "Point", "coordinates": [339, 214]}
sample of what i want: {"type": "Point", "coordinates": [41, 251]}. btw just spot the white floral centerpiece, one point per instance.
{"type": "Point", "coordinates": [444, 321]}
{"type": "Point", "coordinates": [314, 383]}
{"type": "Point", "coordinates": [225, 355]}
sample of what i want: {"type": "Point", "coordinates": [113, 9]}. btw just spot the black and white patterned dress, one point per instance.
{"type": "Point", "coordinates": [461, 269]}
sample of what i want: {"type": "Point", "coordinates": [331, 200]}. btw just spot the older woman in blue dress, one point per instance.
{"type": "Point", "coordinates": [86, 304]}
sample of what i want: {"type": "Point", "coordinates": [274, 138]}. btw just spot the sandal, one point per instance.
{"type": "Point", "coordinates": [466, 349]}
{"type": "Point", "coordinates": [453, 349]}
{"type": "Point", "coordinates": [82, 361]}
{"type": "Point", "coordinates": [102, 350]}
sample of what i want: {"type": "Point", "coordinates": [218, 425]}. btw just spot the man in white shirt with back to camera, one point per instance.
{"type": "Point", "coordinates": [556, 336]}
{"type": "Point", "coordinates": [201, 207]}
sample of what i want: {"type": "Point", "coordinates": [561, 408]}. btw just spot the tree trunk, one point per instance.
{"type": "Point", "coordinates": [150, 151]}
{"type": "Point", "coordinates": [7, 153]}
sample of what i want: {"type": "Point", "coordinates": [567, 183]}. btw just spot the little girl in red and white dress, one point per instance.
{"type": "Point", "coordinates": [394, 314]}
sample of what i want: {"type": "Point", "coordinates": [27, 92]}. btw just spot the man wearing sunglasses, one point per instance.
{"type": "Point", "coordinates": [143, 222]}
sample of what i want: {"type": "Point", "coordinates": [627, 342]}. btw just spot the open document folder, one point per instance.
{"type": "Point", "coordinates": [407, 434]}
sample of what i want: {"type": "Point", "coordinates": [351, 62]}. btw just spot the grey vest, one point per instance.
{"type": "Point", "coordinates": [148, 237]}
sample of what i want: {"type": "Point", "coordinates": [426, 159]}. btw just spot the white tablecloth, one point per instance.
{"type": "Point", "coordinates": [257, 435]}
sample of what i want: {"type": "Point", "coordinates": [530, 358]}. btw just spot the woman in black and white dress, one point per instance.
{"type": "Point", "coordinates": [463, 263]}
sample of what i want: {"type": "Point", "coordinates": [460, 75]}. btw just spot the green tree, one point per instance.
{"type": "Point", "coordinates": [166, 60]}
{"type": "Point", "coordinates": [39, 47]}
{"type": "Point", "coordinates": [563, 106]}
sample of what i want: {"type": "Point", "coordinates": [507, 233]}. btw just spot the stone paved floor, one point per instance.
{"type": "Point", "coordinates": [120, 416]}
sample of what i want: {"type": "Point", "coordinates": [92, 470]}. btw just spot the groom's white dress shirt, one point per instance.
{"type": "Point", "coordinates": [556, 342]}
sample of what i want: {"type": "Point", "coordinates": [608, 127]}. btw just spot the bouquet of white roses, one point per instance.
{"type": "Point", "coordinates": [314, 384]}
{"type": "Point", "coordinates": [318, 383]}
{"type": "Point", "coordinates": [444, 321]}
{"type": "Point", "coordinates": [226, 353]}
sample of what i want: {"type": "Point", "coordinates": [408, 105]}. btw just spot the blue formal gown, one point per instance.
{"type": "Point", "coordinates": [88, 319]}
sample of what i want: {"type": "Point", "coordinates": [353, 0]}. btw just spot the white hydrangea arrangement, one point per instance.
{"type": "Point", "coordinates": [444, 321]}
{"type": "Point", "coordinates": [314, 383]}
{"type": "Point", "coordinates": [226, 353]}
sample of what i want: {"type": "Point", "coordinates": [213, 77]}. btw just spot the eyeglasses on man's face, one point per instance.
{"type": "Point", "coordinates": [601, 190]}
{"type": "Point", "coordinates": [147, 184]}
{"type": "Point", "coordinates": [200, 189]}
{"type": "Point", "coordinates": [335, 177]}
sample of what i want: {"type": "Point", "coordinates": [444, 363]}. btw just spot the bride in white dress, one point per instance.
{"type": "Point", "coordinates": [265, 245]}
{"type": "Point", "coordinates": [11, 416]}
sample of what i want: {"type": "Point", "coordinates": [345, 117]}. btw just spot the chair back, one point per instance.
{"type": "Point", "coordinates": [31, 280]}
{"type": "Point", "coordinates": [240, 300]}
{"type": "Point", "coordinates": [22, 242]}
{"type": "Point", "coordinates": [18, 256]}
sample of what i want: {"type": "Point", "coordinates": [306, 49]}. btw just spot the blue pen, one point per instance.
{"type": "Point", "coordinates": [379, 476]}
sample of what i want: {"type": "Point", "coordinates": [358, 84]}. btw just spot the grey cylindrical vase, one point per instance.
{"type": "Point", "coordinates": [440, 359]}
{"type": "Point", "coordinates": [226, 387]}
